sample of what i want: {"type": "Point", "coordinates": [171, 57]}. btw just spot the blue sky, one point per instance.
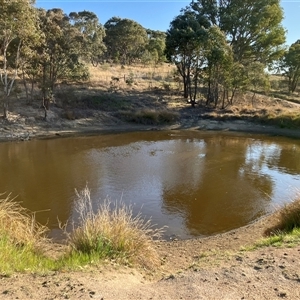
{"type": "Point", "coordinates": [157, 14]}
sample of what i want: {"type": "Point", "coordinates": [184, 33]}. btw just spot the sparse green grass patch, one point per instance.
{"type": "Point", "coordinates": [279, 239]}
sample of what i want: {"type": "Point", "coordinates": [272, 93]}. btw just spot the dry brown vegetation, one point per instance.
{"type": "Point", "coordinates": [153, 96]}
{"type": "Point", "coordinates": [19, 225]}
{"type": "Point", "coordinates": [288, 218]}
{"type": "Point", "coordinates": [113, 232]}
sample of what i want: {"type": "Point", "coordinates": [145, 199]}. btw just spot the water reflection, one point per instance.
{"type": "Point", "coordinates": [196, 183]}
{"type": "Point", "coordinates": [228, 192]}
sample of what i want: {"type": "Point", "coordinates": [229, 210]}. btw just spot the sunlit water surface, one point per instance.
{"type": "Point", "coordinates": [195, 183]}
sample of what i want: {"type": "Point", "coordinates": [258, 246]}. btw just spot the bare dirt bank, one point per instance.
{"type": "Point", "coordinates": [30, 125]}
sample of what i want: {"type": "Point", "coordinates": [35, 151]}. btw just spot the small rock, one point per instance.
{"type": "Point", "coordinates": [282, 294]}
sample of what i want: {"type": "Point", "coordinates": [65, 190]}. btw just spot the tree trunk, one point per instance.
{"type": "Point", "coordinates": [5, 109]}
{"type": "Point", "coordinates": [45, 106]}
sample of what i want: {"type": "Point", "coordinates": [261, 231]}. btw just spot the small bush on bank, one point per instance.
{"type": "Point", "coordinates": [105, 102]}
{"type": "Point", "coordinates": [112, 232]}
{"type": "Point", "coordinates": [150, 117]}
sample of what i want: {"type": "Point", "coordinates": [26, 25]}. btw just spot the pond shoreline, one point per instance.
{"type": "Point", "coordinates": [211, 267]}
{"type": "Point", "coordinates": [14, 131]}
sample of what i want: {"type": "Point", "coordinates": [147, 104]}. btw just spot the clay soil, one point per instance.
{"type": "Point", "coordinates": [215, 267]}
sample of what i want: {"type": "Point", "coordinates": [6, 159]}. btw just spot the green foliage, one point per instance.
{"type": "Point", "coordinates": [156, 47]}
{"type": "Point", "coordinates": [185, 40]}
{"type": "Point", "coordinates": [130, 79]}
{"type": "Point", "coordinates": [225, 45]}
{"type": "Point", "coordinates": [92, 35]}
{"type": "Point", "coordinates": [17, 27]}
{"type": "Point", "coordinates": [200, 52]}
{"type": "Point", "coordinates": [253, 27]}
{"type": "Point", "coordinates": [125, 40]}
{"type": "Point", "coordinates": [61, 50]}
{"type": "Point", "coordinates": [290, 65]}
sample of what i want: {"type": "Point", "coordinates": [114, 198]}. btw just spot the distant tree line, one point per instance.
{"type": "Point", "coordinates": [44, 47]}
{"type": "Point", "coordinates": [219, 47]}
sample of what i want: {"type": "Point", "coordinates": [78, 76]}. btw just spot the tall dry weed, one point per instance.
{"type": "Point", "coordinates": [113, 232]}
{"type": "Point", "coordinates": [18, 225]}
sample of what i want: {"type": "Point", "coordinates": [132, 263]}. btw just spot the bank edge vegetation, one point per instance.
{"type": "Point", "coordinates": [112, 232]}
{"type": "Point", "coordinates": [220, 49]}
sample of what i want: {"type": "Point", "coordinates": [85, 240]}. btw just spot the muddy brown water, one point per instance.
{"type": "Point", "coordinates": [195, 183]}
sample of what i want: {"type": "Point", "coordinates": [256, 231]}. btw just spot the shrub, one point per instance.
{"type": "Point", "coordinates": [150, 117]}
{"type": "Point", "coordinates": [112, 232]}
{"type": "Point", "coordinates": [130, 79]}
{"type": "Point", "coordinates": [106, 102]}
{"type": "Point", "coordinates": [67, 97]}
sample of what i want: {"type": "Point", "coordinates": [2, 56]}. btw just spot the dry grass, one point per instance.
{"type": "Point", "coordinates": [18, 225]}
{"type": "Point", "coordinates": [113, 232]}
{"type": "Point", "coordinates": [125, 77]}
{"type": "Point", "coordinates": [288, 218]}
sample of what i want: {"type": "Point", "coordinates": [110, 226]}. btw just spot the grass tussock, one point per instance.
{"type": "Point", "coordinates": [150, 117]}
{"type": "Point", "coordinates": [18, 225]}
{"type": "Point", "coordinates": [22, 240]}
{"type": "Point", "coordinates": [288, 218]}
{"type": "Point", "coordinates": [113, 233]}
{"type": "Point", "coordinates": [286, 231]}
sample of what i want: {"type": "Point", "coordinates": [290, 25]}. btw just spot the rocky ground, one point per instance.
{"type": "Point", "coordinates": [209, 268]}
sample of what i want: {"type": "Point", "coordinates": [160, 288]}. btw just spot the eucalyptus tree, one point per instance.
{"type": "Point", "coordinates": [28, 64]}
{"type": "Point", "coordinates": [184, 42]}
{"type": "Point", "coordinates": [156, 45]}
{"type": "Point", "coordinates": [253, 27]}
{"type": "Point", "coordinates": [221, 34]}
{"type": "Point", "coordinates": [200, 51]}
{"type": "Point", "coordinates": [17, 27]}
{"type": "Point", "coordinates": [59, 54]}
{"type": "Point", "coordinates": [125, 39]}
{"type": "Point", "coordinates": [290, 65]}
{"type": "Point", "coordinates": [219, 66]}
{"type": "Point", "coordinates": [92, 35]}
